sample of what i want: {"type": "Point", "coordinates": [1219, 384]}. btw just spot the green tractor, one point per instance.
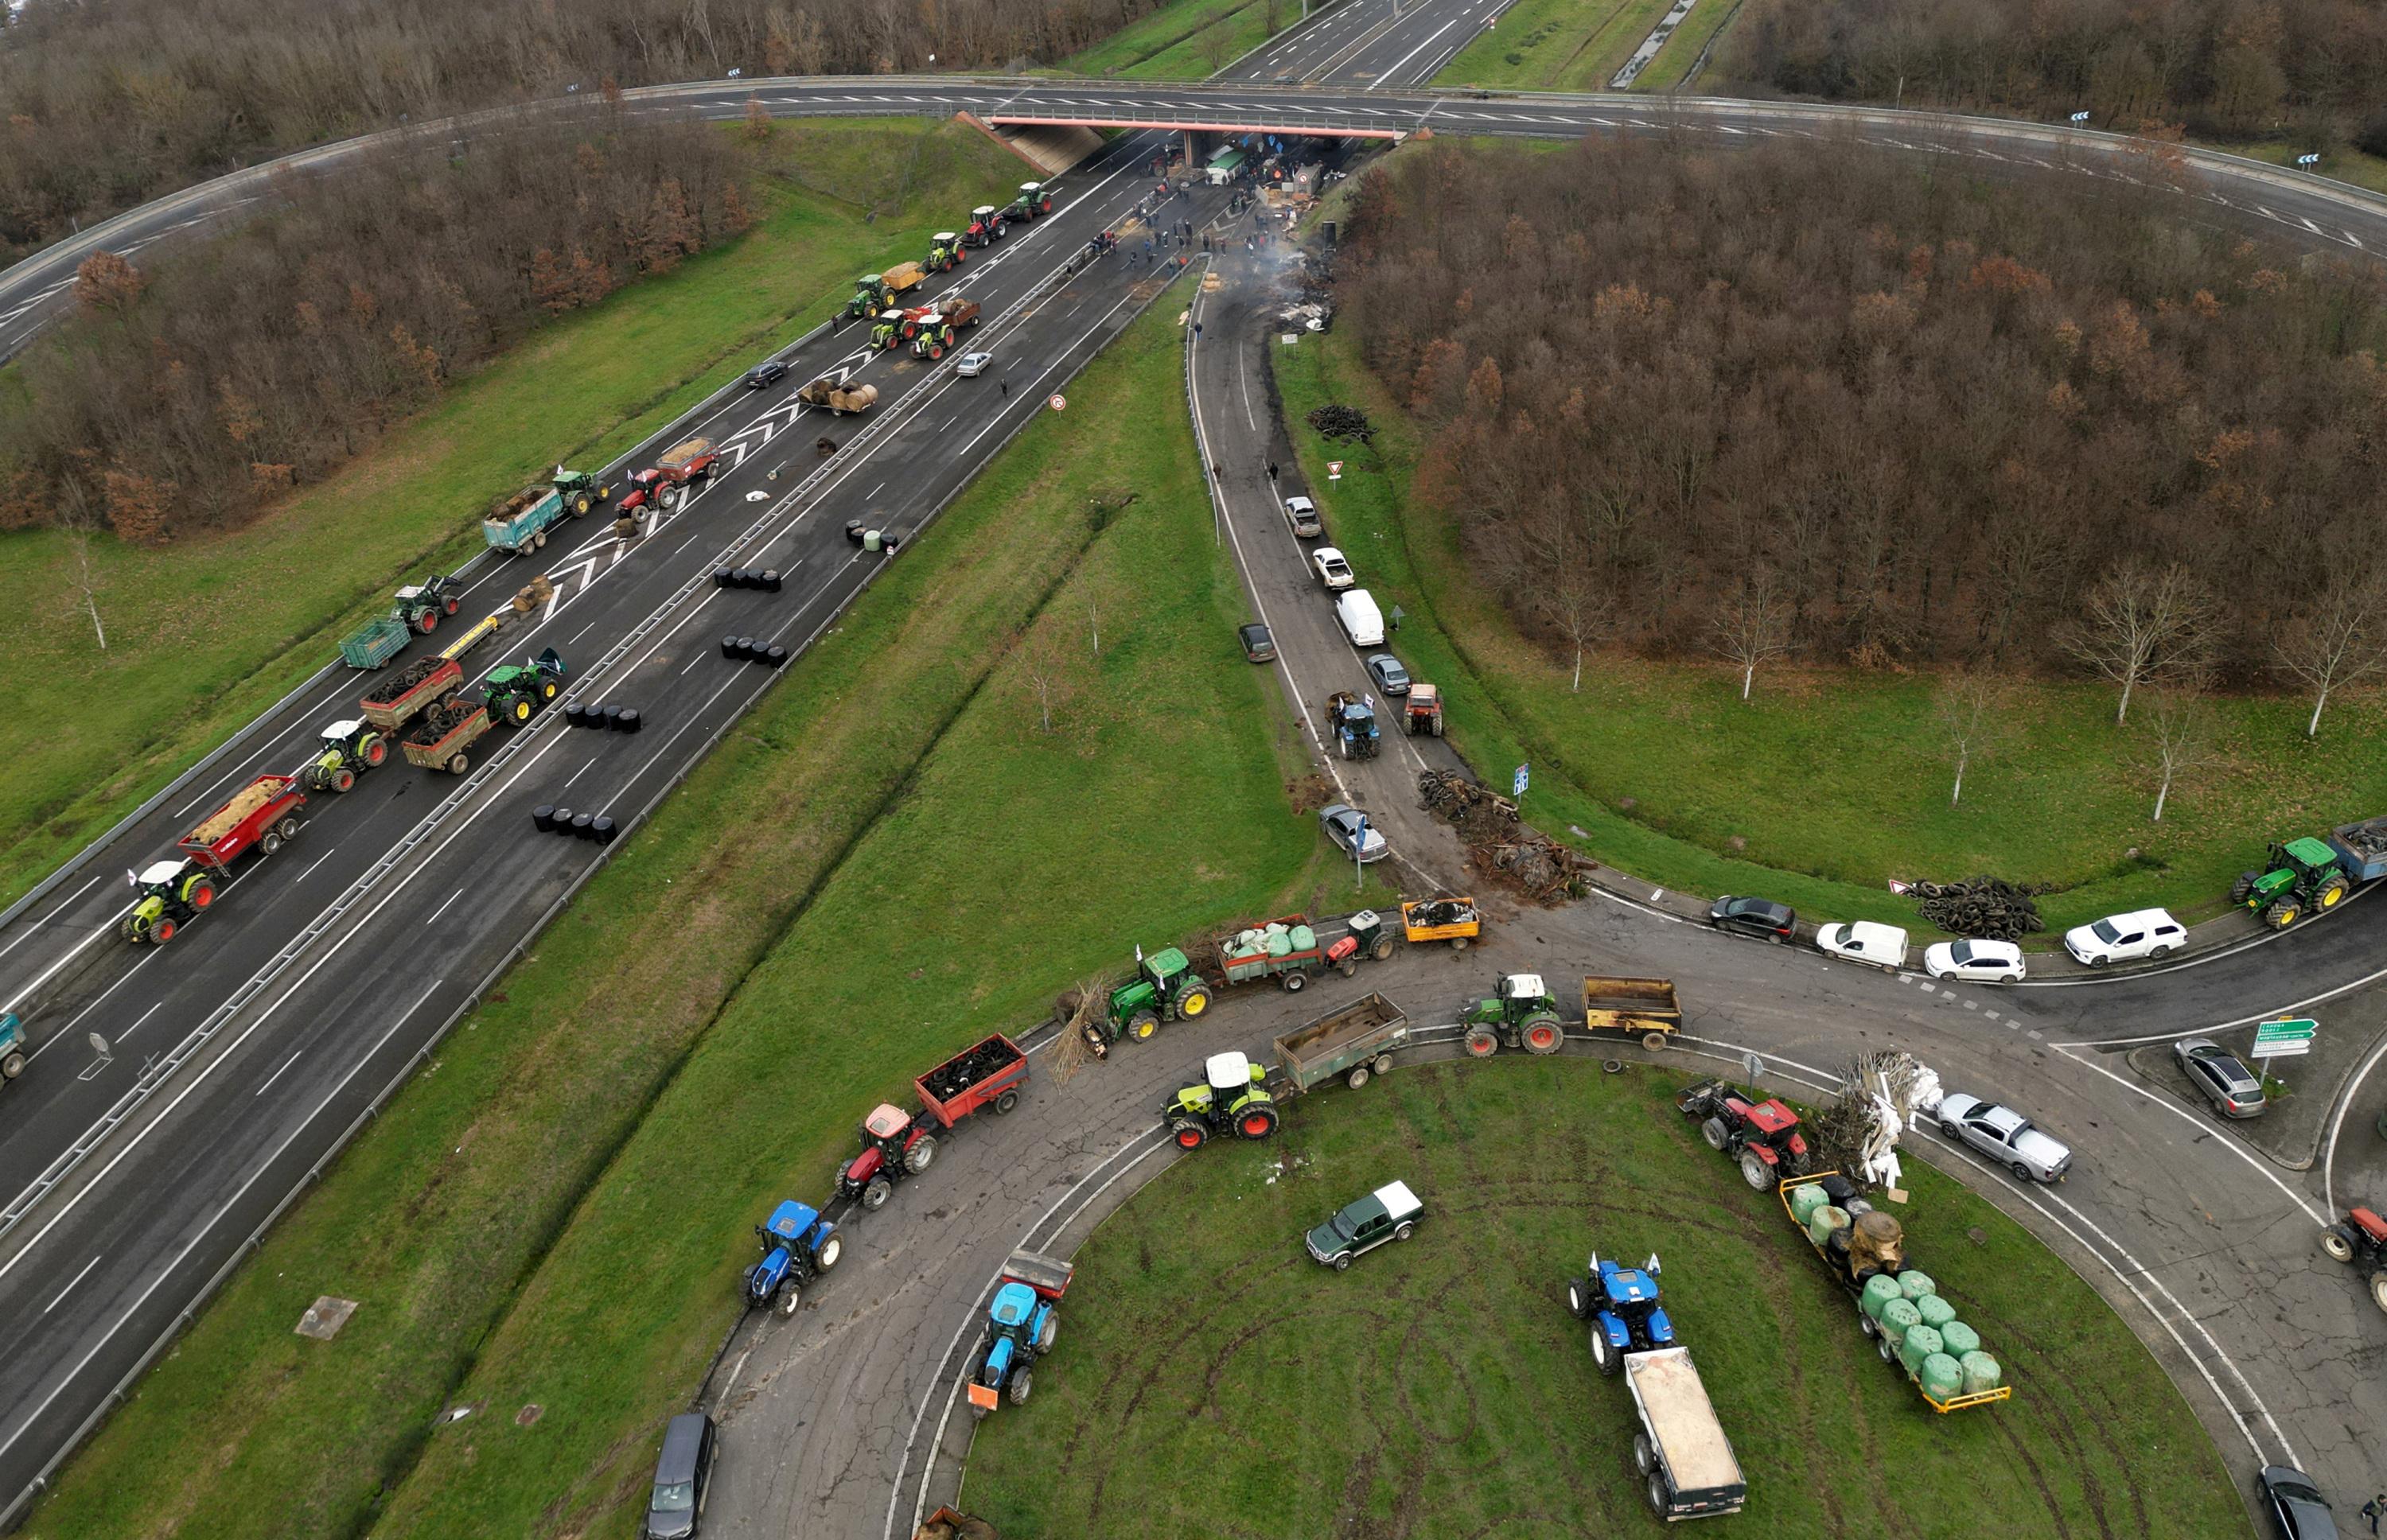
{"type": "Point", "coordinates": [1165, 988]}
{"type": "Point", "coordinates": [349, 749]}
{"type": "Point", "coordinates": [944, 252]}
{"type": "Point", "coordinates": [1230, 1099]}
{"type": "Point", "coordinates": [1521, 1012]}
{"type": "Point", "coordinates": [580, 491]}
{"type": "Point", "coordinates": [869, 296]}
{"type": "Point", "coordinates": [2303, 877]}
{"type": "Point", "coordinates": [168, 894]}
{"type": "Point", "coordinates": [515, 692]}
{"type": "Point", "coordinates": [419, 606]}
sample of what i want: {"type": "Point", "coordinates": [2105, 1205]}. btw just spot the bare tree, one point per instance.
{"type": "Point", "coordinates": [1972, 721]}
{"type": "Point", "coordinates": [1048, 673]}
{"type": "Point", "coordinates": [78, 524]}
{"type": "Point", "coordinates": [2182, 739]}
{"type": "Point", "coordinates": [1572, 603]}
{"type": "Point", "coordinates": [1752, 626]}
{"type": "Point", "coordinates": [1217, 46]}
{"type": "Point", "coordinates": [2340, 640]}
{"type": "Point", "coordinates": [2143, 624]}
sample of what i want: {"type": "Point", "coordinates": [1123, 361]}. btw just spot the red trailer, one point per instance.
{"type": "Point", "coordinates": [896, 1144]}
{"type": "Point", "coordinates": [418, 685]}
{"type": "Point", "coordinates": [992, 1072]}
{"type": "Point", "coordinates": [260, 813]}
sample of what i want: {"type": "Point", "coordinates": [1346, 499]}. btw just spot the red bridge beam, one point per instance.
{"type": "Point", "coordinates": [1303, 129]}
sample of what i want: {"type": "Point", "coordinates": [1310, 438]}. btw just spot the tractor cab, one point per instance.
{"type": "Point", "coordinates": [986, 225]}
{"type": "Point", "coordinates": [1519, 995]}
{"type": "Point", "coordinates": [1369, 937]}
{"type": "Point", "coordinates": [869, 294]}
{"type": "Point", "coordinates": [894, 1147]}
{"type": "Point", "coordinates": [888, 330]}
{"type": "Point", "coordinates": [168, 894]}
{"type": "Point", "coordinates": [944, 250]}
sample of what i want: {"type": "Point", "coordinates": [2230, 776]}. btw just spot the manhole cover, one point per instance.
{"type": "Point", "coordinates": [529, 1414]}
{"type": "Point", "coordinates": [325, 1317]}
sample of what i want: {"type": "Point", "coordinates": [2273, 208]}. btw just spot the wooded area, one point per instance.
{"type": "Point", "coordinates": [105, 105]}
{"type": "Point", "coordinates": [2315, 69]}
{"type": "Point", "coordinates": [181, 397]}
{"type": "Point", "coordinates": [1672, 405]}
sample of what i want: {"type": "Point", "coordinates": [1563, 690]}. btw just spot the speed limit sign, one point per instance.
{"type": "Point", "coordinates": [1060, 401]}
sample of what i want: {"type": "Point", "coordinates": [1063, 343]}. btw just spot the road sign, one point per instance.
{"type": "Point", "coordinates": [2284, 1038]}
{"type": "Point", "coordinates": [1060, 401]}
{"type": "Point", "coordinates": [1335, 470]}
{"type": "Point", "coordinates": [1753, 1067]}
{"type": "Point", "coordinates": [2309, 161]}
{"type": "Point", "coordinates": [2081, 117]}
{"type": "Point", "coordinates": [1517, 783]}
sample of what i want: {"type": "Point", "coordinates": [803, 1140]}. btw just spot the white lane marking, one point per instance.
{"type": "Point", "coordinates": [443, 908]}
{"type": "Point", "coordinates": [2337, 1121]}
{"type": "Point", "coordinates": [277, 1073]}
{"type": "Point", "coordinates": [69, 902]}
{"type": "Point", "coordinates": [312, 865]}
{"type": "Point", "coordinates": [136, 1026]}
{"type": "Point", "coordinates": [70, 1286]}
{"type": "Point", "coordinates": [2070, 1051]}
{"type": "Point", "coordinates": [584, 769]}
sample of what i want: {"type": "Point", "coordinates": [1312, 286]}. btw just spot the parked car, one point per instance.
{"type": "Point", "coordinates": [765, 373]}
{"type": "Point", "coordinates": [2219, 1076]}
{"type": "Point", "coordinates": [1390, 1213]}
{"type": "Point", "coordinates": [1754, 917]}
{"type": "Point", "coordinates": [2296, 1504]}
{"type": "Point", "coordinates": [1332, 570]}
{"type": "Point", "coordinates": [1975, 962]}
{"type": "Point", "coordinates": [2005, 1136]}
{"type": "Point", "coordinates": [683, 1473]}
{"type": "Point", "coordinates": [1348, 827]}
{"type": "Point", "coordinates": [1883, 946]}
{"type": "Point", "coordinates": [2119, 938]}
{"type": "Point", "coordinates": [1303, 515]}
{"type": "Point", "coordinates": [1259, 646]}
{"type": "Point", "coordinates": [972, 365]}
{"type": "Point", "coordinates": [1390, 676]}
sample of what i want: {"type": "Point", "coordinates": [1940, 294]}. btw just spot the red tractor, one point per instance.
{"type": "Point", "coordinates": [1764, 1136]}
{"type": "Point", "coordinates": [2361, 1239]}
{"type": "Point", "coordinates": [682, 474]}
{"type": "Point", "coordinates": [895, 1144]}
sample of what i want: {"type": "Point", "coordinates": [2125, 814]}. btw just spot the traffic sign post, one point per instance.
{"type": "Point", "coordinates": [1335, 470]}
{"type": "Point", "coordinates": [2285, 1038]}
{"type": "Point", "coordinates": [1518, 782]}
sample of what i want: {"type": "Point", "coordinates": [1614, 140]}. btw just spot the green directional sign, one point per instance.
{"type": "Point", "coordinates": [2285, 1038]}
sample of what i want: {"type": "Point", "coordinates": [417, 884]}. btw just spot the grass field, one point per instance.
{"type": "Point", "coordinates": [1829, 781]}
{"type": "Point", "coordinates": [1557, 45]}
{"type": "Point", "coordinates": [205, 633]}
{"type": "Point", "coordinates": [1682, 50]}
{"type": "Point", "coordinates": [1210, 1379]}
{"type": "Point", "coordinates": [1189, 40]}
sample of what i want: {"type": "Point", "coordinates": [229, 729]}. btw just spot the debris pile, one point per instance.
{"type": "Point", "coordinates": [1987, 907]}
{"type": "Point", "coordinates": [1338, 421]}
{"type": "Point", "coordinates": [1880, 1093]}
{"type": "Point", "coordinates": [1457, 800]}
{"type": "Point", "coordinates": [1534, 865]}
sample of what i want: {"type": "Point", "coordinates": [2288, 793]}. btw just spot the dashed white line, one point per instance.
{"type": "Point", "coordinates": [70, 1286]}
{"type": "Point", "coordinates": [277, 1073]}
{"type": "Point", "coordinates": [443, 908]}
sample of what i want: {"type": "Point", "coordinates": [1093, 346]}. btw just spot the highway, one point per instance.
{"type": "Point", "coordinates": [239, 1056]}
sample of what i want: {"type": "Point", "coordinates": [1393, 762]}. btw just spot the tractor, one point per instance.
{"type": "Point", "coordinates": [2303, 877]}
{"type": "Point", "coordinates": [1020, 1327]}
{"type": "Point", "coordinates": [888, 330]}
{"type": "Point", "coordinates": [349, 749]}
{"type": "Point", "coordinates": [1764, 1136]}
{"type": "Point", "coordinates": [1353, 722]}
{"type": "Point", "coordinates": [944, 252]}
{"type": "Point", "coordinates": [171, 894]}
{"type": "Point", "coordinates": [1165, 988]}
{"type": "Point", "coordinates": [895, 1144]}
{"type": "Point", "coordinates": [2361, 1239]}
{"type": "Point", "coordinates": [419, 605]}
{"type": "Point", "coordinates": [798, 1247]}
{"type": "Point", "coordinates": [934, 337]}
{"type": "Point", "coordinates": [580, 491]}
{"type": "Point", "coordinates": [985, 226]}
{"type": "Point", "coordinates": [869, 296]}
{"type": "Point", "coordinates": [515, 692]}
{"type": "Point", "coordinates": [1521, 1012]}
{"type": "Point", "coordinates": [1230, 1099]}
{"type": "Point", "coordinates": [1620, 1303]}
{"type": "Point", "coordinates": [1034, 199]}
{"type": "Point", "coordinates": [1421, 711]}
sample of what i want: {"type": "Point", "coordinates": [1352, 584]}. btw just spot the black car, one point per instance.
{"type": "Point", "coordinates": [682, 1474]}
{"type": "Point", "coordinates": [2296, 1504]}
{"type": "Point", "coordinates": [1390, 676]}
{"type": "Point", "coordinates": [1754, 917]}
{"type": "Point", "coordinates": [1259, 646]}
{"type": "Point", "coordinates": [765, 373]}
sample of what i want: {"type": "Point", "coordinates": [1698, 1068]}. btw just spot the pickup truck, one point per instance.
{"type": "Point", "coordinates": [1647, 1007]}
{"type": "Point", "coordinates": [1354, 1043]}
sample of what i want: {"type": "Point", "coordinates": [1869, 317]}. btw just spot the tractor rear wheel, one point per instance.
{"type": "Point", "coordinates": [2338, 1243]}
{"type": "Point", "coordinates": [1047, 1334]}
{"type": "Point", "coordinates": [2331, 895]}
{"type": "Point", "coordinates": [1195, 1002]}
{"type": "Point", "coordinates": [922, 1155]}
{"type": "Point", "coordinates": [1754, 1171]}
{"type": "Point", "coordinates": [1021, 1381]}
{"type": "Point", "coordinates": [1542, 1034]}
{"type": "Point", "coordinates": [874, 1196]}
{"type": "Point", "coordinates": [1141, 1026]}
{"type": "Point", "coordinates": [2283, 913]}
{"type": "Point", "coordinates": [1713, 1131]}
{"type": "Point", "coordinates": [376, 750]}
{"type": "Point", "coordinates": [2243, 888]}
{"type": "Point", "coordinates": [830, 1250]}
{"type": "Point", "coordinates": [1482, 1042]}
{"type": "Point", "coordinates": [1256, 1122]}
{"type": "Point", "coordinates": [1383, 949]}
{"type": "Point", "coordinates": [1188, 1134]}
{"type": "Point", "coordinates": [200, 894]}
{"type": "Point", "coordinates": [427, 622]}
{"type": "Point", "coordinates": [1357, 1078]}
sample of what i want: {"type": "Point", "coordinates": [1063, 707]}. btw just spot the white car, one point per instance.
{"type": "Point", "coordinates": [1976, 962]}
{"type": "Point", "coordinates": [1332, 571]}
{"type": "Point", "coordinates": [2119, 938]}
{"type": "Point", "coordinates": [1883, 946]}
{"type": "Point", "coordinates": [1303, 515]}
{"type": "Point", "coordinates": [973, 365]}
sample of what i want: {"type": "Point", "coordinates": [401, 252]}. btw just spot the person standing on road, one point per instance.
{"type": "Point", "coordinates": [2375, 1509]}
{"type": "Point", "coordinates": [1002, 387]}
{"type": "Point", "coordinates": [1271, 468]}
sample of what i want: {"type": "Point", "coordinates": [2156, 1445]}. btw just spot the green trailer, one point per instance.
{"type": "Point", "coordinates": [1353, 1044]}
{"type": "Point", "coordinates": [374, 643]}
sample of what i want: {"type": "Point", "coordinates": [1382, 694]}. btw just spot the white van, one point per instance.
{"type": "Point", "coordinates": [1864, 941]}
{"type": "Point", "coordinates": [1361, 620]}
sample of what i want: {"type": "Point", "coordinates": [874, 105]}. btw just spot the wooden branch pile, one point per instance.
{"type": "Point", "coordinates": [1985, 907]}
{"type": "Point", "coordinates": [1534, 867]}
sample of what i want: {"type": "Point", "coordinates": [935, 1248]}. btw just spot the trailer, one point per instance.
{"type": "Point", "coordinates": [421, 684]}
{"type": "Point", "coordinates": [168, 894]}
{"type": "Point", "coordinates": [439, 740]}
{"type": "Point", "coordinates": [523, 530]}
{"type": "Point", "coordinates": [1648, 1008]}
{"type": "Point", "coordinates": [1354, 1043]}
{"type": "Point", "coordinates": [833, 392]}
{"type": "Point", "coordinates": [1252, 952]}
{"type": "Point", "coordinates": [897, 1144]}
{"type": "Point", "coordinates": [988, 1074]}
{"type": "Point", "coordinates": [1454, 919]}
{"type": "Point", "coordinates": [1852, 1279]}
{"type": "Point", "coordinates": [373, 643]}
{"type": "Point", "coordinates": [2362, 846]}
{"type": "Point", "coordinates": [1681, 1451]}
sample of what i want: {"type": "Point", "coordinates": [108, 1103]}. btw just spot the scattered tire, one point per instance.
{"type": "Point", "coordinates": [602, 829]}
{"type": "Point", "coordinates": [777, 657]}
{"type": "Point", "coordinates": [729, 648]}
{"type": "Point", "coordinates": [630, 721]}
{"type": "Point", "coordinates": [575, 715]}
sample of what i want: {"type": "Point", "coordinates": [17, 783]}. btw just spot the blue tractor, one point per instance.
{"type": "Point", "coordinates": [1622, 1305]}
{"type": "Point", "coordinates": [1020, 1327]}
{"type": "Point", "coordinates": [798, 1247]}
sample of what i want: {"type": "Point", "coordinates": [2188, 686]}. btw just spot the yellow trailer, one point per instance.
{"type": "Point", "coordinates": [1646, 1006]}
{"type": "Point", "coordinates": [903, 276]}
{"type": "Point", "coordinates": [1456, 920]}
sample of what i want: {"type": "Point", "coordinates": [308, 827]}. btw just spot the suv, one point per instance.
{"type": "Point", "coordinates": [2119, 938]}
{"type": "Point", "coordinates": [2219, 1078]}
{"type": "Point", "coordinates": [682, 1475]}
{"type": "Point", "coordinates": [1763, 918]}
{"type": "Point", "coordinates": [1303, 514]}
{"type": "Point", "coordinates": [2005, 1136]}
{"type": "Point", "coordinates": [1259, 646]}
{"type": "Point", "coordinates": [765, 373]}
{"type": "Point", "coordinates": [1389, 1213]}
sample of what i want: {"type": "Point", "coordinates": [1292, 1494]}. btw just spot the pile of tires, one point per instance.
{"type": "Point", "coordinates": [548, 818]}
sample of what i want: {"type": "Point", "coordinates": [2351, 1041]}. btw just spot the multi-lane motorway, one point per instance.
{"type": "Point", "coordinates": [239, 1056]}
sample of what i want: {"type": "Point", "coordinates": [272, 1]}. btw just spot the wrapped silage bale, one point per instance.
{"type": "Point", "coordinates": [1919, 1342]}
{"type": "Point", "coordinates": [1303, 939]}
{"type": "Point", "coordinates": [1941, 1376]}
{"type": "Point", "coordinates": [1937, 1312]}
{"type": "Point", "coordinates": [1959, 1340]}
{"type": "Point", "coordinates": [1249, 940]}
{"type": "Point", "coordinates": [1879, 1290]}
{"type": "Point", "coordinates": [1805, 1200]}
{"type": "Point", "coordinates": [1981, 1372]}
{"type": "Point", "coordinates": [1279, 944]}
{"type": "Point", "coordinates": [1821, 1223]}
{"type": "Point", "coordinates": [1916, 1283]}
{"type": "Point", "coordinates": [1898, 1317]}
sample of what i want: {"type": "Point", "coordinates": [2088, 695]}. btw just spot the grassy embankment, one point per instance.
{"type": "Point", "coordinates": [1206, 1366]}
{"type": "Point", "coordinates": [596, 1118]}
{"type": "Point", "coordinates": [1190, 40]}
{"type": "Point", "coordinates": [1560, 45]}
{"type": "Point", "coordinates": [1830, 780]}
{"type": "Point", "coordinates": [205, 633]}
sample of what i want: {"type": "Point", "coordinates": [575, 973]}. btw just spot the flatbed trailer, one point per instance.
{"type": "Point", "coordinates": [420, 685]}
{"type": "Point", "coordinates": [1354, 1043]}
{"type": "Point", "coordinates": [1682, 1452]}
{"type": "Point", "coordinates": [1647, 1008]}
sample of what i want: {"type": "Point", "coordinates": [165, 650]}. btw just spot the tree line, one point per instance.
{"type": "Point", "coordinates": [2315, 70]}
{"type": "Point", "coordinates": [105, 105]}
{"type": "Point", "coordinates": [1995, 425]}
{"type": "Point", "coordinates": [182, 397]}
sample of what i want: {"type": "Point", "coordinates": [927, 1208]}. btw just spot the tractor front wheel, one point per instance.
{"type": "Point", "coordinates": [376, 750]}
{"type": "Point", "coordinates": [1578, 1301]}
{"type": "Point", "coordinates": [2338, 1243]}
{"type": "Point", "coordinates": [1142, 1026]}
{"type": "Point", "coordinates": [1482, 1042]}
{"type": "Point", "coordinates": [1196, 1000]}
{"type": "Point", "coordinates": [449, 606]}
{"type": "Point", "coordinates": [1188, 1134]}
{"type": "Point", "coordinates": [874, 1196]}
{"type": "Point", "coordinates": [343, 779]}
{"type": "Point", "coordinates": [1348, 966]}
{"type": "Point", "coordinates": [1020, 1383]}
{"type": "Point", "coordinates": [2283, 913]}
{"type": "Point", "coordinates": [2243, 888]}
{"type": "Point", "coordinates": [1713, 1132]}
{"type": "Point", "coordinates": [789, 1297]}
{"type": "Point", "coordinates": [1754, 1171]}
{"type": "Point", "coordinates": [161, 930]}
{"type": "Point", "coordinates": [548, 690]}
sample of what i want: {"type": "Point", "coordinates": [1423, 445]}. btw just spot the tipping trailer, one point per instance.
{"type": "Point", "coordinates": [1250, 953]}
{"type": "Point", "coordinates": [169, 893]}
{"type": "Point", "coordinates": [1453, 919]}
{"type": "Point", "coordinates": [1648, 1008]}
{"type": "Point", "coordinates": [987, 1074]}
{"type": "Point", "coordinates": [373, 643]}
{"type": "Point", "coordinates": [408, 693]}
{"type": "Point", "coordinates": [521, 526]}
{"type": "Point", "coordinates": [1354, 1042]}
{"type": "Point", "coordinates": [2362, 846]}
{"type": "Point", "coordinates": [1681, 1451]}
{"type": "Point", "coordinates": [438, 739]}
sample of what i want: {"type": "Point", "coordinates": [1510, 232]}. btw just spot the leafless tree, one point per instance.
{"type": "Point", "coordinates": [1972, 721]}
{"type": "Point", "coordinates": [1573, 603]}
{"type": "Point", "coordinates": [1752, 625]}
{"type": "Point", "coordinates": [1050, 675]}
{"type": "Point", "coordinates": [79, 522]}
{"type": "Point", "coordinates": [2340, 640]}
{"type": "Point", "coordinates": [2143, 624]}
{"type": "Point", "coordinates": [2180, 739]}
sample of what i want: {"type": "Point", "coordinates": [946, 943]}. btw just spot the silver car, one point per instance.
{"type": "Point", "coordinates": [2005, 1136]}
{"type": "Point", "coordinates": [1350, 827]}
{"type": "Point", "coordinates": [973, 365]}
{"type": "Point", "coordinates": [2220, 1078]}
